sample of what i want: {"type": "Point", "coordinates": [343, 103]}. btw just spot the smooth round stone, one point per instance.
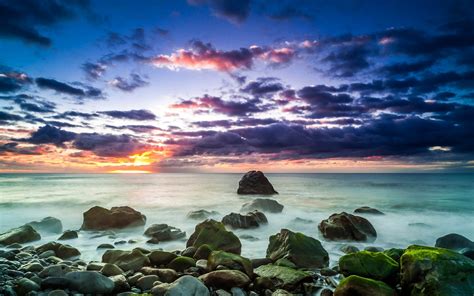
{"type": "Point", "coordinates": [24, 286]}
{"type": "Point", "coordinates": [33, 267]}
{"type": "Point", "coordinates": [146, 282]}
{"type": "Point", "coordinates": [57, 293]}
{"type": "Point", "coordinates": [105, 246]}
{"type": "Point", "coordinates": [47, 254]}
{"type": "Point", "coordinates": [110, 269]}
{"type": "Point", "coordinates": [55, 283]}
{"type": "Point", "coordinates": [90, 282]}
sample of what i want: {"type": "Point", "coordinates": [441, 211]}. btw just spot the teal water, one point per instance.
{"type": "Point", "coordinates": [439, 203]}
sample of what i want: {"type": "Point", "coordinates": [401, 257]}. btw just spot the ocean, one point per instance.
{"type": "Point", "coordinates": [419, 207]}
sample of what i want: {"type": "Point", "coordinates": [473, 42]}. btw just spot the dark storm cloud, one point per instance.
{"type": "Point", "coordinates": [405, 68]}
{"type": "Point", "coordinates": [70, 115]}
{"type": "Point", "coordinates": [263, 86]}
{"type": "Point", "coordinates": [15, 149]}
{"type": "Point", "coordinates": [12, 81]}
{"type": "Point", "coordinates": [131, 114]}
{"type": "Point", "coordinates": [128, 85]}
{"type": "Point", "coordinates": [64, 88]}
{"type": "Point", "coordinates": [50, 135]}
{"type": "Point", "coordinates": [108, 145]}
{"type": "Point", "coordinates": [239, 122]}
{"type": "Point", "coordinates": [30, 103]}
{"type": "Point", "coordinates": [348, 61]}
{"type": "Point", "coordinates": [5, 116]}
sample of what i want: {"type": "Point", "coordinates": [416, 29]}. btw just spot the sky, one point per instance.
{"type": "Point", "coordinates": [150, 86]}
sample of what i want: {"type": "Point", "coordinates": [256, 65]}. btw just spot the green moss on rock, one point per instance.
{"type": "Point", "coordinates": [357, 285]}
{"type": "Point", "coordinates": [181, 263]}
{"type": "Point", "coordinates": [230, 260]}
{"type": "Point", "coordinates": [216, 236]}
{"type": "Point", "coordinates": [285, 277]}
{"type": "Point", "coordinates": [394, 253]}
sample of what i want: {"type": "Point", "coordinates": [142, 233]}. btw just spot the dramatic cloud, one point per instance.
{"type": "Point", "coordinates": [135, 81]}
{"type": "Point", "coordinates": [263, 86]}
{"type": "Point", "coordinates": [64, 88]}
{"type": "Point", "coordinates": [12, 81]}
{"type": "Point", "coordinates": [131, 114]}
{"type": "Point", "coordinates": [109, 145]}
{"type": "Point", "coordinates": [50, 135]}
{"type": "Point", "coordinates": [235, 11]}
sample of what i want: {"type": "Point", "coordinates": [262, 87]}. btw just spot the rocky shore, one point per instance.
{"type": "Point", "coordinates": [211, 263]}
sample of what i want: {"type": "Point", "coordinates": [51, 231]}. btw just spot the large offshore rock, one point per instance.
{"type": "Point", "coordinates": [262, 204]}
{"type": "Point", "coordinates": [356, 285]}
{"type": "Point", "coordinates": [374, 265]}
{"type": "Point", "coordinates": [98, 218]}
{"type": "Point", "coordinates": [216, 236]}
{"type": "Point", "coordinates": [344, 226]}
{"type": "Point", "coordinates": [454, 241]}
{"type": "Point", "coordinates": [48, 224]}
{"type": "Point", "coordinates": [368, 210]}
{"type": "Point", "coordinates": [250, 220]}
{"type": "Point", "coordinates": [255, 182]}
{"type": "Point", "coordinates": [20, 235]}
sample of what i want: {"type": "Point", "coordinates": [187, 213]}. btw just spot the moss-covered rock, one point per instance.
{"type": "Point", "coordinates": [229, 260]}
{"type": "Point", "coordinates": [285, 262]}
{"type": "Point", "coordinates": [202, 252]}
{"type": "Point", "coordinates": [374, 265]}
{"type": "Point", "coordinates": [216, 236]}
{"type": "Point", "coordinates": [436, 272]}
{"type": "Point", "coordinates": [283, 277]}
{"type": "Point", "coordinates": [302, 250]}
{"type": "Point", "coordinates": [356, 285]}
{"type": "Point", "coordinates": [126, 260]}
{"type": "Point", "coordinates": [394, 253]}
{"type": "Point", "coordinates": [181, 263]}
{"type": "Point", "coordinates": [158, 258]}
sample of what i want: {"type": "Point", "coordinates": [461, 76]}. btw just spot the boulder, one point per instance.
{"type": "Point", "coordinates": [302, 250]}
{"type": "Point", "coordinates": [368, 210]}
{"type": "Point", "coordinates": [110, 269]}
{"type": "Point", "coordinates": [250, 220]}
{"type": "Point", "coordinates": [229, 260]}
{"type": "Point", "coordinates": [20, 235]}
{"type": "Point", "coordinates": [201, 214]}
{"type": "Point", "coordinates": [374, 265]}
{"type": "Point", "coordinates": [98, 218]}
{"type": "Point", "coordinates": [127, 260]}
{"type": "Point", "coordinates": [48, 224]}
{"type": "Point", "coordinates": [262, 204]}
{"type": "Point", "coordinates": [345, 226]}
{"type": "Point", "coordinates": [468, 252]}
{"type": "Point", "coordinates": [158, 258]}
{"type": "Point", "coordinates": [163, 232]}
{"type": "Point", "coordinates": [202, 252]}
{"type": "Point", "coordinates": [225, 279]}
{"type": "Point", "coordinates": [105, 246]}
{"type": "Point", "coordinates": [166, 275]}
{"type": "Point", "coordinates": [216, 236]}
{"type": "Point", "coordinates": [454, 241]}
{"type": "Point", "coordinates": [394, 253]}
{"type": "Point", "coordinates": [90, 282]}
{"type": "Point", "coordinates": [283, 277]}
{"type": "Point", "coordinates": [61, 251]}
{"type": "Point", "coordinates": [120, 283]}
{"type": "Point", "coordinates": [255, 182]}
{"type": "Point", "coordinates": [356, 285]}
{"type": "Point", "coordinates": [145, 283]}
{"type": "Point", "coordinates": [25, 286]}
{"type": "Point", "coordinates": [347, 249]}
{"type": "Point", "coordinates": [68, 234]}
{"type": "Point", "coordinates": [435, 272]}
{"type": "Point", "coordinates": [185, 285]}
{"type": "Point", "coordinates": [181, 263]}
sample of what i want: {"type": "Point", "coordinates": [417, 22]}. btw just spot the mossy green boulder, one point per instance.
{"type": "Point", "coordinates": [394, 253]}
{"type": "Point", "coordinates": [202, 252]}
{"type": "Point", "coordinates": [158, 257]}
{"type": "Point", "coordinates": [181, 263]}
{"type": "Point", "coordinates": [374, 265]}
{"type": "Point", "coordinates": [216, 236]}
{"type": "Point", "coordinates": [284, 277]}
{"type": "Point", "coordinates": [229, 260]}
{"type": "Point", "coordinates": [357, 285]}
{"type": "Point", "coordinates": [302, 250]}
{"type": "Point", "coordinates": [436, 272]}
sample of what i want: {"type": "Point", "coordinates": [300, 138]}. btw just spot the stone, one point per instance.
{"type": "Point", "coordinates": [250, 220]}
{"type": "Point", "coordinates": [166, 275]}
{"type": "Point", "coordinates": [132, 280]}
{"type": "Point", "coordinates": [58, 293]}
{"type": "Point", "coordinates": [202, 264]}
{"type": "Point", "coordinates": [110, 269]}
{"type": "Point", "coordinates": [48, 224]}
{"type": "Point", "coordinates": [326, 292]}
{"type": "Point", "coordinates": [186, 285]}
{"type": "Point", "coordinates": [373, 249]}
{"type": "Point", "coordinates": [189, 252]}
{"type": "Point", "coordinates": [98, 218]}
{"type": "Point", "coordinates": [163, 232]}
{"type": "Point", "coordinates": [356, 285]}
{"type": "Point", "coordinates": [374, 265]}
{"type": "Point", "coordinates": [202, 252]}
{"type": "Point", "coordinates": [454, 241]}
{"type": "Point", "coordinates": [120, 283]}
{"type": "Point", "coordinates": [105, 246]}
{"type": "Point", "coordinates": [158, 258]}
{"type": "Point", "coordinates": [90, 282]}
{"type": "Point", "coordinates": [283, 277]}
{"type": "Point", "coordinates": [201, 214]}
{"type": "Point", "coordinates": [181, 263]}
{"type": "Point", "coordinates": [95, 266]}
{"type": "Point", "coordinates": [302, 250]}
{"type": "Point", "coordinates": [261, 261]}
{"type": "Point", "coordinates": [216, 236]}
{"type": "Point", "coordinates": [145, 283]}
{"type": "Point", "coordinates": [281, 292]}
{"type": "Point", "coordinates": [348, 249]}
{"type": "Point", "coordinates": [32, 267]}
{"type": "Point", "coordinates": [61, 251]}
{"type": "Point", "coordinates": [68, 234]}
{"type": "Point", "coordinates": [127, 260]}
{"type": "Point", "coordinates": [394, 253]}
{"type": "Point", "coordinates": [344, 226]}
{"type": "Point", "coordinates": [229, 260]}
{"type": "Point", "coordinates": [225, 279]}
{"type": "Point", "coordinates": [468, 252]}
{"type": "Point", "coordinates": [328, 271]}
{"type": "Point", "coordinates": [24, 286]}
{"type": "Point", "coordinates": [237, 292]}
{"type": "Point", "coordinates": [20, 235]}
{"type": "Point", "coordinates": [255, 182]}
{"type": "Point", "coordinates": [368, 210]}
{"type": "Point", "coordinates": [436, 272]}
{"type": "Point", "coordinates": [262, 204]}
{"type": "Point", "coordinates": [57, 270]}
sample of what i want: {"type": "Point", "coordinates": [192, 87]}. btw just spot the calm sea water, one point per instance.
{"type": "Point", "coordinates": [438, 203]}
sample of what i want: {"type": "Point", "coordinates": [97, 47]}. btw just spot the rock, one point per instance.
{"type": "Point", "coordinates": [186, 285]}
{"type": "Point", "coordinates": [435, 271]}
{"type": "Point", "coordinates": [98, 218]}
{"type": "Point", "coordinates": [249, 238]}
{"type": "Point", "coordinates": [368, 210]}
{"type": "Point", "coordinates": [132, 280]}
{"type": "Point", "coordinates": [202, 264]}
{"type": "Point", "coordinates": [120, 283]}
{"type": "Point", "coordinates": [90, 282]}
{"type": "Point", "coordinates": [468, 252]}
{"type": "Point", "coordinates": [281, 292]}
{"type": "Point", "coordinates": [48, 224]}
{"type": "Point", "coordinates": [250, 220]}
{"type": "Point", "coordinates": [189, 252]}
{"type": "Point", "coordinates": [285, 262]}
{"type": "Point", "coordinates": [95, 266]}
{"type": "Point", "coordinates": [145, 283]}
{"type": "Point", "coordinates": [374, 265]}
{"type": "Point", "coordinates": [283, 277]}
{"type": "Point", "coordinates": [261, 261]}
{"type": "Point", "coordinates": [32, 267]}
{"type": "Point", "coordinates": [20, 235]}
{"type": "Point", "coordinates": [222, 293]}
{"type": "Point", "coordinates": [181, 263]}
{"type": "Point", "coordinates": [326, 271]}
{"type": "Point", "coordinates": [345, 226]}
{"type": "Point", "coordinates": [24, 286]}
{"type": "Point", "coordinates": [166, 275]}
{"type": "Point", "coordinates": [225, 279]}
{"type": "Point", "coordinates": [68, 234]}
{"type": "Point", "coordinates": [237, 292]}
{"type": "Point", "coordinates": [127, 260]}
{"type": "Point", "coordinates": [57, 270]}
{"type": "Point", "coordinates": [105, 246]}
{"type": "Point", "coordinates": [61, 251]}
{"type": "Point", "coordinates": [302, 250]}
{"type": "Point", "coordinates": [201, 214]}
{"type": "Point", "coordinates": [231, 261]}
{"type": "Point", "coordinates": [394, 253]}
{"type": "Point", "coordinates": [454, 241]}
{"type": "Point", "coordinates": [216, 236]}
{"type": "Point", "coordinates": [255, 182]}
{"type": "Point", "coordinates": [163, 232]}
{"type": "Point", "coordinates": [348, 249]}
{"type": "Point", "coordinates": [58, 293]}
{"type": "Point", "coordinates": [110, 269]}
{"type": "Point", "coordinates": [202, 252]}
{"type": "Point", "coordinates": [262, 204]}
{"type": "Point", "coordinates": [356, 285]}
{"type": "Point", "coordinates": [159, 258]}
{"type": "Point", "coordinates": [326, 292]}
{"type": "Point", "coordinates": [373, 249]}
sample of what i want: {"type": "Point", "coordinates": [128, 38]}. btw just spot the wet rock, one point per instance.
{"type": "Point", "coordinates": [90, 282]}
{"type": "Point", "coordinates": [229, 260]}
{"type": "Point", "coordinates": [255, 182]}
{"type": "Point", "coordinates": [345, 226]}
{"type": "Point", "coordinates": [283, 277]}
{"type": "Point", "coordinates": [368, 210]}
{"type": "Point", "coordinates": [98, 218]}
{"type": "Point", "coordinates": [181, 263]}
{"type": "Point", "coordinates": [189, 252]}
{"type": "Point", "coordinates": [60, 250]}
{"type": "Point", "coordinates": [367, 264]}
{"type": "Point", "coordinates": [57, 270]}
{"type": "Point", "coordinates": [201, 214]}
{"type": "Point", "coordinates": [20, 235]}
{"type": "Point", "coordinates": [24, 286]}
{"type": "Point", "coordinates": [185, 285]}
{"type": "Point", "coordinates": [202, 252]}
{"type": "Point", "coordinates": [348, 249]}
{"type": "Point", "coordinates": [159, 258]}
{"type": "Point", "coordinates": [216, 236]}
{"type": "Point", "coordinates": [326, 292]}
{"type": "Point", "coordinates": [145, 283]}
{"type": "Point", "coordinates": [95, 266]}
{"type": "Point", "coordinates": [468, 252]}
{"type": "Point", "coordinates": [166, 275]}
{"type": "Point", "coordinates": [127, 260]}
{"type": "Point", "coordinates": [356, 285]}
{"type": "Point", "coordinates": [285, 262]}
{"type": "Point", "coordinates": [454, 241]}
{"type": "Point", "coordinates": [68, 234]}
{"type": "Point", "coordinates": [394, 253]}
{"type": "Point", "coordinates": [249, 238]}
{"type": "Point", "coordinates": [250, 220]}
{"type": "Point", "coordinates": [302, 250]}
{"type": "Point", "coordinates": [105, 246]}
{"type": "Point", "coordinates": [225, 279]}
{"type": "Point", "coordinates": [48, 224]}
{"type": "Point", "coordinates": [281, 292]}
{"type": "Point", "coordinates": [58, 293]}
{"type": "Point", "coordinates": [262, 204]}
{"type": "Point", "coordinates": [55, 282]}
{"type": "Point", "coordinates": [120, 283]}
{"type": "Point", "coordinates": [260, 261]}
{"type": "Point", "coordinates": [32, 267]}
{"type": "Point", "coordinates": [110, 269]}
{"type": "Point", "coordinates": [328, 271]}
{"type": "Point", "coordinates": [436, 271]}
{"type": "Point", "coordinates": [163, 232]}
{"type": "Point", "coordinates": [373, 249]}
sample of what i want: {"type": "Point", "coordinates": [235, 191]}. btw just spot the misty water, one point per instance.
{"type": "Point", "coordinates": [419, 207]}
